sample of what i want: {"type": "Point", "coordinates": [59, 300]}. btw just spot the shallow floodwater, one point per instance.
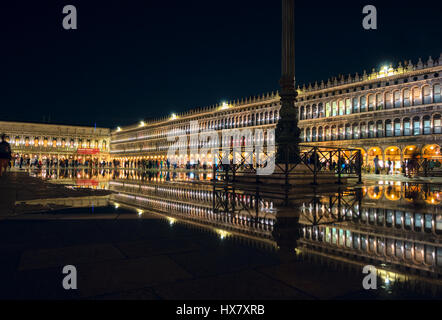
{"type": "Point", "coordinates": [394, 226]}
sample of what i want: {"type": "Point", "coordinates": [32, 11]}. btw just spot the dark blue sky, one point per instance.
{"type": "Point", "coordinates": [131, 60]}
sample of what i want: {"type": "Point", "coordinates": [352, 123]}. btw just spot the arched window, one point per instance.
{"type": "Point", "coordinates": [314, 134]}
{"type": "Point", "coordinates": [363, 132]}
{"type": "Point", "coordinates": [407, 127]}
{"type": "Point", "coordinates": [427, 94]}
{"type": "Point", "coordinates": [388, 128]}
{"type": "Point", "coordinates": [363, 104]}
{"type": "Point", "coordinates": [314, 111]}
{"type": "Point", "coordinates": [437, 128]}
{"type": "Point", "coordinates": [302, 135]}
{"type": "Point", "coordinates": [437, 93]}
{"type": "Point", "coordinates": [334, 108]}
{"type": "Point", "coordinates": [355, 131]}
{"type": "Point", "coordinates": [320, 137]}
{"type": "Point", "coordinates": [327, 134]}
{"type": "Point", "coordinates": [307, 135]}
{"type": "Point", "coordinates": [321, 110]}
{"type": "Point", "coordinates": [406, 99]}
{"type": "Point", "coordinates": [328, 112]}
{"type": "Point", "coordinates": [371, 130]}
{"type": "Point", "coordinates": [341, 107]}
{"type": "Point", "coordinates": [388, 100]}
{"type": "Point", "coordinates": [371, 102]}
{"type": "Point", "coordinates": [379, 129]}
{"type": "Point", "coordinates": [417, 97]}
{"type": "Point", "coordinates": [427, 125]}
{"type": "Point", "coordinates": [308, 114]}
{"type": "Point", "coordinates": [355, 105]}
{"type": "Point", "coordinates": [397, 127]}
{"type": "Point", "coordinates": [341, 132]}
{"type": "Point", "coordinates": [333, 133]}
{"type": "Point", "coordinates": [416, 126]}
{"type": "Point", "coordinates": [379, 101]}
{"type": "Point", "coordinates": [347, 106]}
{"type": "Point", "coordinates": [347, 132]}
{"type": "Point", "coordinates": [397, 99]}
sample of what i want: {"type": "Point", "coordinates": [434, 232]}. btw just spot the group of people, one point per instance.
{"type": "Point", "coordinates": [5, 155]}
{"type": "Point", "coordinates": [409, 167]}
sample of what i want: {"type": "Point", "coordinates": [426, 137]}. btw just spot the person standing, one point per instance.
{"type": "Point", "coordinates": [376, 164]}
{"type": "Point", "coordinates": [5, 154]}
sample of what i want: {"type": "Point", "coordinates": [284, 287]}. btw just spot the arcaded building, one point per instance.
{"type": "Point", "coordinates": [42, 141]}
{"type": "Point", "coordinates": [393, 113]}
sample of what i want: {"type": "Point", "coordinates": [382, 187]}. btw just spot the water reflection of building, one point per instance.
{"type": "Point", "coordinates": [402, 239]}
{"type": "Point", "coordinates": [80, 178]}
{"type": "Point", "coordinates": [49, 141]}
{"type": "Point", "coordinates": [393, 113]}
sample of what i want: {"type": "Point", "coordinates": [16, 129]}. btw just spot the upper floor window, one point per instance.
{"type": "Point", "coordinates": [355, 105]}
{"type": "Point", "coordinates": [355, 131]}
{"type": "Point", "coordinates": [363, 104]}
{"type": "Point", "coordinates": [347, 106]}
{"type": "Point", "coordinates": [371, 130]}
{"type": "Point", "coordinates": [328, 109]}
{"type": "Point", "coordinates": [371, 102]}
{"type": "Point", "coordinates": [397, 127]}
{"type": "Point", "coordinates": [363, 132]}
{"type": "Point", "coordinates": [397, 99]}
{"type": "Point", "coordinates": [388, 100]}
{"type": "Point", "coordinates": [427, 94]}
{"type": "Point", "coordinates": [437, 124]}
{"type": "Point", "coordinates": [416, 97]}
{"type": "Point", "coordinates": [437, 93]}
{"type": "Point", "coordinates": [341, 133]}
{"type": "Point", "coordinates": [379, 101]}
{"type": "Point", "coordinates": [416, 126]}
{"type": "Point", "coordinates": [388, 128]}
{"type": "Point", "coordinates": [341, 108]}
{"type": "Point", "coordinates": [427, 125]}
{"type": "Point", "coordinates": [406, 98]}
{"type": "Point", "coordinates": [407, 127]}
{"type": "Point", "coordinates": [321, 110]}
{"type": "Point", "coordinates": [379, 129]}
{"type": "Point", "coordinates": [334, 108]}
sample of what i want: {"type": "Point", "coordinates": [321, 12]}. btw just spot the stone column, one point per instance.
{"type": "Point", "coordinates": [287, 131]}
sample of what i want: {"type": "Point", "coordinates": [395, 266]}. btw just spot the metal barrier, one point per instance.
{"type": "Point", "coordinates": [340, 161]}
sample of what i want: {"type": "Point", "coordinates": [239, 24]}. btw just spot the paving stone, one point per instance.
{"type": "Point", "coordinates": [46, 258]}
{"type": "Point", "coordinates": [315, 280]}
{"type": "Point", "coordinates": [121, 275]}
{"type": "Point", "coordinates": [247, 284]}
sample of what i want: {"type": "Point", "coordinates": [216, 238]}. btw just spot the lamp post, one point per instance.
{"type": "Point", "coordinates": [287, 131]}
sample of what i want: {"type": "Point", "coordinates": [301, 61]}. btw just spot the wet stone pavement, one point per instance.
{"type": "Point", "coordinates": [19, 186]}
{"type": "Point", "coordinates": [147, 258]}
{"type": "Point", "coordinates": [120, 254]}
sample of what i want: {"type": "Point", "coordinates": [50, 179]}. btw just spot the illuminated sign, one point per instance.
{"type": "Point", "coordinates": [88, 151]}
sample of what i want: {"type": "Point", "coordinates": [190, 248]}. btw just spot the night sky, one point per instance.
{"type": "Point", "coordinates": [133, 60]}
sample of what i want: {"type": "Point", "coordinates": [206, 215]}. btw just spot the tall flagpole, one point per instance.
{"type": "Point", "coordinates": [287, 131]}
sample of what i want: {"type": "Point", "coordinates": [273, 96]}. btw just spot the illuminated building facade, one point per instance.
{"type": "Point", "coordinates": [42, 142]}
{"type": "Point", "coordinates": [393, 113]}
